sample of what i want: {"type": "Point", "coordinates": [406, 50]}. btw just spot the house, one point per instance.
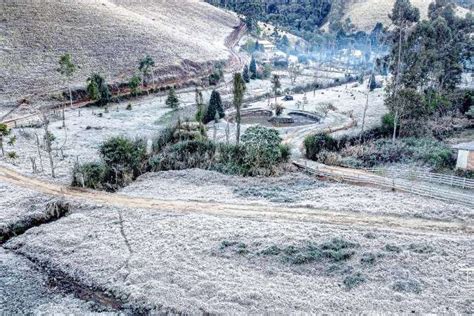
{"type": "Point", "coordinates": [465, 156]}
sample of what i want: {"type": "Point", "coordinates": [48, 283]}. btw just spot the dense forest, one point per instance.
{"type": "Point", "coordinates": [302, 18]}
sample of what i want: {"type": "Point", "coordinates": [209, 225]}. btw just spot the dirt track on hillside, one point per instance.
{"type": "Point", "coordinates": [224, 209]}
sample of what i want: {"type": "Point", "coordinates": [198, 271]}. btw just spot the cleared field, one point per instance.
{"type": "Point", "coordinates": [106, 36]}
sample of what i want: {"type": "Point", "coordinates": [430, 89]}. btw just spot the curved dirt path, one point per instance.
{"type": "Point", "coordinates": [303, 214]}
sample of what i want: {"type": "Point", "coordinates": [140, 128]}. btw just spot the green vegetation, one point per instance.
{"type": "Point", "coordinates": [348, 152]}
{"type": "Point", "coordinates": [314, 144]}
{"type": "Point", "coordinates": [354, 280]}
{"type": "Point", "coordinates": [238, 91]}
{"type": "Point", "coordinates": [215, 108]}
{"type": "Point", "coordinates": [4, 131]}
{"type": "Point", "coordinates": [134, 85]}
{"type": "Point", "coordinates": [181, 147]}
{"type": "Point", "coordinates": [97, 89]}
{"type": "Point", "coordinates": [172, 100]}
{"type": "Point", "coordinates": [146, 66]}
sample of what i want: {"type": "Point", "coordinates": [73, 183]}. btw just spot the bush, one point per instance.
{"type": "Point", "coordinates": [354, 280]}
{"type": "Point", "coordinates": [262, 150]}
{"type": "Point", "coordinates": [185, 155]}
{"type": "Point", "coordinates": [314, 144]}
{"type": "Point", "coordinates": [90, 175]}
{"type": "Point", "coordinates": [125, 160]}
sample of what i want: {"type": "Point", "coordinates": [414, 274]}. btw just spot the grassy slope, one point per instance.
{"type": "Point", "coordinates": [108, 36]}
{"type": "Point", "coordinates": [366, 13]}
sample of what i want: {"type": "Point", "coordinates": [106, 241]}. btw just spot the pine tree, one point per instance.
{"type": "Point", "coordinates": [245, 74]}
{"type": "Point", "coordinates": [253, 68]}
{"type": "Point", "coordinates": [238, 91]}
{"type": "Point", "coordinates": [215, 107]}
{"type": "Point", "coordinates": [172, 100]}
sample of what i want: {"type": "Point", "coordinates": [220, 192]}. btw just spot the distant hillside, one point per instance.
{"type": "Point", "coordinates": [107, 36]}
{"type": "Point", "coordinates": [364, 14]}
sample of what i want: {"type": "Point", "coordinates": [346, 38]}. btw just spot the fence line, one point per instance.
{"type": "Point", "coordinates": [390, 183]}
{"type": "Point", "coordinates": [413, 174]}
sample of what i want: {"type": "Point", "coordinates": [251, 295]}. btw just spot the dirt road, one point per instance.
{"type": "Point", "coordinates": [248, 210]}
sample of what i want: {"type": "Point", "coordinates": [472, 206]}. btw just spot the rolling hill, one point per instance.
{"type": "Point", "coordinates": [106, 36]}
{"type": "Point", "coordinates": [366, 13]}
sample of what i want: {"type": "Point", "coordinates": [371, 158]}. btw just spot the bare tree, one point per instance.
{"type": "Point", "coordinates": [67, 69]}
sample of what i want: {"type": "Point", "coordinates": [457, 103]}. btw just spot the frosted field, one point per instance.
{"type": "Point", "coordinates": [107, 36]}
{"type": "Point", "coordinates": [292, 189]}
{"type": "Point", "coordinates": [194, 263]}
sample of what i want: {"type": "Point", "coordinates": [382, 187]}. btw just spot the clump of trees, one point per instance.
{"type": "Point", "coordinates": [427, 62]}
{"type": "Point", "coordinates": [123, 159]}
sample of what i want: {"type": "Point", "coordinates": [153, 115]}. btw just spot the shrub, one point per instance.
{"type": "Point", "coordinates": [185, 155]}
{"type": "Point", "coordinates": [125, 160]}
{"type": "Point", "coordinates": [314, 144]}
{"type": "Point", "coordinates": [354, 280]}
{"type": "Point", "coordinates": [262, 150]}
{"type": "Point", "coordinates": [388, 122]}
{"type": "Point", "coordinates": [91, 175]}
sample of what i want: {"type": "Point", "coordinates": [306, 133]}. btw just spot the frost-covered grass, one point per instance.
{"type": "Point", "coordinates": [109, 37]}
{"type": "Point", "coordinates": [290, 189]}
{"type": "Point", "coordinates": [179, 262]}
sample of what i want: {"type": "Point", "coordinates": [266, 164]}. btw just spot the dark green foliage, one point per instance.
{"type": "Point", "coordinates": [253, 69]}
{"type": "Point", "coordinates": [215, 106]}
{"type": "Point", "coordinates": [372, 83]}
{"type": "Point", "coordinates": [185, 155]}
{"type": "Point", "coordinates": [262, 147]}
{"type": "Point", "coordinates": [125, 160]}
{"type": "Point", "coordinates": [216, 75]}
{"type": "Point", "coordinates": [388, 121]}
{"type": "Point", "coordinates": [91, 174]}
{"type": "Point", "coordinates": [302, 18]}
{"type": "Point", "coordinates": [314, 144]}
{"type": "Point", "coordinates": [172, 100]}
{"type": "Point", "coordinates": [338, 249]}
{"type": "Point", "coordinates": [354, 280]}
{"type": "Point", "coordinates": [146, 66]}
{"type": "Point", "coordinates": [97, 89]}
{"type": "Point", "coordinates": [260, 154]}
{"type": "Point", "coordinates": [134, 85]}
{"type": "Point", "coordinates": [246, 74]}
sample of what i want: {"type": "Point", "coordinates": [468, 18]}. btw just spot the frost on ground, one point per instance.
{"type": "Point", "coordinates": [196, 263]}
{"type": "Point", "coordinates": [108, 36]}
{"type": "Point", "coordinates": [291, 189]}
{"type": "Point", "coordinates": [17, 206]}
{"type": "Point", "coordinates": [24, 290]}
